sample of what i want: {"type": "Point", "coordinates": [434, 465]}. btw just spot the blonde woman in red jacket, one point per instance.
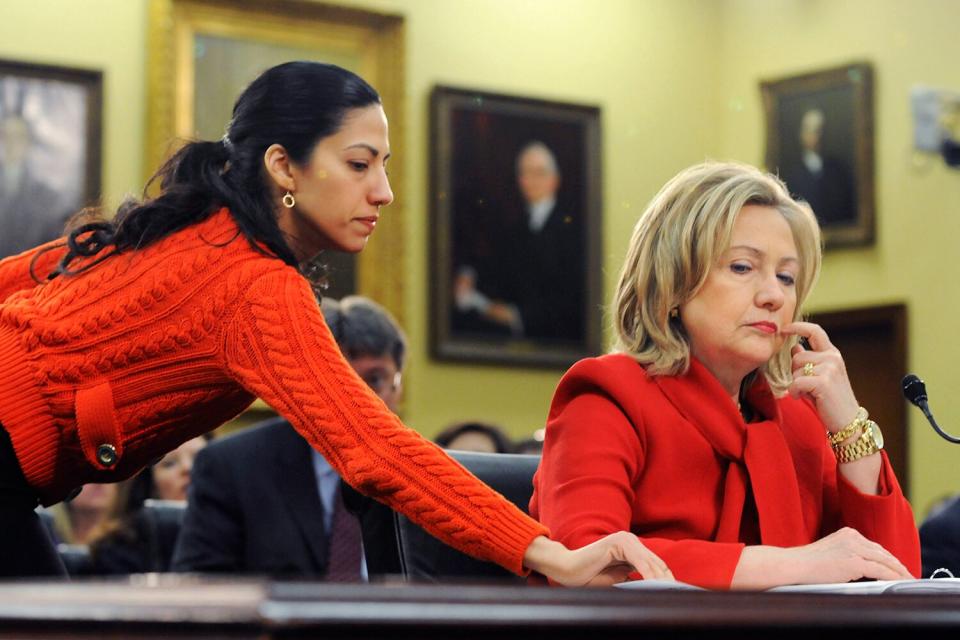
{"type": "Point", "coordinates": [737, 455]}
{"type": "Point", "coordinates": [135, 335]}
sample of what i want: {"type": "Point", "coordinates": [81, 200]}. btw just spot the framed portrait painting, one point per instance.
{"type": "Point", "coordinates": [516, 209]}
{"type": "Point", "coordinates": [50, 119]}
{"type": "Point", "coordinates": [820, 142]}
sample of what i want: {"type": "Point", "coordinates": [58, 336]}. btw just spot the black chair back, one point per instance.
{"type": "Point", "coordinates": [161, 521]}
{"type": "Point", "coordinates": [423, 558]}
{"type": "Point", "coordinates": [76, 558]}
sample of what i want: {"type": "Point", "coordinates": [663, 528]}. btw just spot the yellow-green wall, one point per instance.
{"type": "Point", "coordinates": [677, 82]}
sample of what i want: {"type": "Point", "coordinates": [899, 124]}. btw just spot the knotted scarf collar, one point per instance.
{"type": "Point", "coordinates": [757, 452]}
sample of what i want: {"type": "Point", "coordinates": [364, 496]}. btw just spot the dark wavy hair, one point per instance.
{"type": "Point", "coordinates": [361, 327]}
{"type": "Point", "coordinates": [295, 105]}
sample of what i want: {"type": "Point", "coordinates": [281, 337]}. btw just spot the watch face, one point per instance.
{"type": "Point", "coordinates": [877, 435]}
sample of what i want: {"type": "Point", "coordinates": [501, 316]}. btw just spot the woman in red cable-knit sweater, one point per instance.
{"type": "Point", "coordinates": [135, 335]}
{"type": "Point", "coordinates": [738, 456]}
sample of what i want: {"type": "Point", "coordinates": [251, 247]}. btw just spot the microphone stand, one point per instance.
{"type": "Point", "coordinates": [916, 392]}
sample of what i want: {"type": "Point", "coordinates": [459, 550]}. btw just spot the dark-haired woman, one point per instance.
{"type": "Point", "coordinates": [158, 326]}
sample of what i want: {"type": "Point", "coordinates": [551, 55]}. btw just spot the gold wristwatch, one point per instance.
{"type": "Point", "coordinates": [869, 442]}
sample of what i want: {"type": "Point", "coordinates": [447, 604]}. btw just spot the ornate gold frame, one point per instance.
{"type": "Point", "coordinates": [375, 38]}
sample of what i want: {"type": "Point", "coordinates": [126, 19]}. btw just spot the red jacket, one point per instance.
{"type": "Point", "coordinates": [671, 459]}
{"type": "Point", "coordinates": [153, 347]}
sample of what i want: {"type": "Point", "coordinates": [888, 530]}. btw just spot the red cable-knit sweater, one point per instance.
{"type": "Point", "coordinates": [153, 347]}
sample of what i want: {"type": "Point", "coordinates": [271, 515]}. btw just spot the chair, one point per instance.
{"type": "Point", "coordinates": [76, 558]}
{"type": "Point", "coordinates": [161, 520]}
{"type": "Point", "coordinates": [423, 558]}
{"type": "Point", "coordinates": [377, 529]}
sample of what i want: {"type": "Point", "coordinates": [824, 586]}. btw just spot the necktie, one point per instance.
{"type": "Point", "coordinates": [343, 563]}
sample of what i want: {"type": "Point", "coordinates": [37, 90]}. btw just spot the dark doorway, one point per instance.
{"type": "Point", "coordinates": [873, 341]}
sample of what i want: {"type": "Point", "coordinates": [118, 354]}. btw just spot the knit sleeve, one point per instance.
{"type": "Point", "coordinates": [15, 271]}
{"type": "Point", "coordinates": [278, 347]}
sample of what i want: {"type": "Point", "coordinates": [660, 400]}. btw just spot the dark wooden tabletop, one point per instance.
{"type": "Point", "coordinates": [155, 606]}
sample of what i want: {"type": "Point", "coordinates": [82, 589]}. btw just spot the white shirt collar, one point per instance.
{"type": "Point", "coordinates": [813, 161]}
{"type": "Point", "coordinates": [540, 213]}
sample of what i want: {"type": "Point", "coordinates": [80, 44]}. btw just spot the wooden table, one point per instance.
{"type": "Point", "coordinates": [171, 606]}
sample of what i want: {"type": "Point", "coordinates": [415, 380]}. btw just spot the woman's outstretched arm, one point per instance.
{"type": "Point", "coordinates": [278, 347]}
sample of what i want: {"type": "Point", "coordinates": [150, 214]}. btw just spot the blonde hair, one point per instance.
{"type": "Point", "coordinates": [680, 236]}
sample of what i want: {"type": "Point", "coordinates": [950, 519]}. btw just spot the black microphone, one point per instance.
{"type": "Point", "coordinates": [916, 392]}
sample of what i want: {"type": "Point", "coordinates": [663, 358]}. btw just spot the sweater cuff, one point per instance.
{"type": "Point", "coordinates": [510, 533]}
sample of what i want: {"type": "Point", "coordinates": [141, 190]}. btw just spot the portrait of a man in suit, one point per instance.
{"type": "Point", "coordinates": [820, 143]}
{"type": "Point", "coordinates": [516, 231]}
{"type": "Point", "coordinates": [534, 288]}
{"type": "Point", "coordinates": [49, 151]}
{"type": "Point", "coordinates": [31, 210]}
{"type": "Point", "coordinates": [818, 175]}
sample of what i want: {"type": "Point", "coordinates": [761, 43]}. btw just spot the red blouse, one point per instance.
{"type": "Point", "coordinates": [671, 459]}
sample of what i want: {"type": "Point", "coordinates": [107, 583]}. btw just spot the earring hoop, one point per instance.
{"type": "Point", "coordinates": [288, 200]}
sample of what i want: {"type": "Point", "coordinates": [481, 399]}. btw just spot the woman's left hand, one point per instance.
{"type": "Point", "coordinates": [607, 561]}
{"type": "Point", "coordinates": [826, 383]}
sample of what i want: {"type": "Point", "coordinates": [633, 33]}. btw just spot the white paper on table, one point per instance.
{"type": "Point", "coordinates": [658, 585]}
{"type": "Point", "coordinates": [936, 585]}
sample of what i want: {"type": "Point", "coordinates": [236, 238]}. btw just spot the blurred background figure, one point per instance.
{"type": "Point", "coordinates": [136, 539]}
{"type": "Point", "coordinates": [532, 445]}
{"type": "Point", "coordinates": [475, 436]}
{"type": "Point", "coordinates": [74, 521]}
{"type": "Point", "coordinates": [264, 502]}
{"type": "Point", "coordinates": [940, 538]}
{"type": "Point", "coordinates": [171, 476]}
{"type": "Point", "coordinates": [31, 212]}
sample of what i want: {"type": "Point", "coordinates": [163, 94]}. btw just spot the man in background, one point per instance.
{"type": "Point", "coordinates": [264, 502]}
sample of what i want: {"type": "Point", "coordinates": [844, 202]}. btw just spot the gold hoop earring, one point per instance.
{"type": "Point", "coordinates": [288, 200]}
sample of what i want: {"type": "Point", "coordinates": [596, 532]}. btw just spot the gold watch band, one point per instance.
{"type": "Point", "coordinates": [850, 429]}
{"type": "Point", "coordinates": [869, 442]}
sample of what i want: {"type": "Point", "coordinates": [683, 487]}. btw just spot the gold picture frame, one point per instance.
{"type": "Point", "coordinates": [263, 32]}
{"type": "Point", "coordinates": [50, 140]}
{"type": "Point", "coordinates": [546, 278]}
{"type": "Point", "coordinates": [820, 142]}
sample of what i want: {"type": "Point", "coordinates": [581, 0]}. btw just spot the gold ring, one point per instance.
{"type": "Point", "coordinates": [808, 369]}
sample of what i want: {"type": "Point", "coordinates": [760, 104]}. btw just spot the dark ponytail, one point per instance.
{"type": "Point", "coordinates": [294, 104]}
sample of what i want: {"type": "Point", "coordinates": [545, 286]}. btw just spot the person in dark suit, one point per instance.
{"type": "Point", "coordinates": [820, 179]}
{"type": "Point", "coordinates": [940, 539]}
{"type": "Point", "coordinates": [264, 502]}
{"type": "Point", "coordinates": [538, 277]}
